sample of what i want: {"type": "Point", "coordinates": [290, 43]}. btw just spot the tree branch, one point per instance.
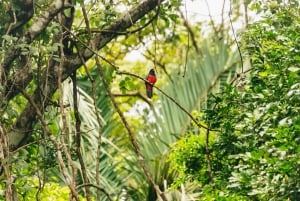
{"type": "Point", "coordinates": [131, 134]}
{"type": "Point", "coordinates": [134, 94]}
{"type": "Point", "coordinates": [97, 187]}
{"type": "Point", "coordinates": [24, 12]}
{"type": "Point", "coordinates": [24, 124]}
{"type": "Point", "coordinates": [58, 146]}
{"type": "Point", "coordinates": [190, 31]}
{"type": "Point", "coordinates": [169, 97]}
{"type": "Point", "coordinates": [110, 32]}
{"type": "Point", "coordinates": [35, 29]}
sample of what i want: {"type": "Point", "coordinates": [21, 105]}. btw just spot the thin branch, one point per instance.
{"type": "Point", "coordinates": [78, 121]}
{"type": "Point", "coordinates": [235, 39]}
{"type": "Point", "coordinates": [23, 15]}
{"type": "Point", "coordinates": [87, 24]}
{"type": "Point", "coordinates": [65, 127]}
{"type": "Point", "coordinates": [97, 169]}
{"type": "Point", "coordinates": [208, 156]}
{"type": "Point", "coordinates": [97, 187]}
{"type": "Point", "coordinates": [5, 163]}
{"type": "Point", "coordinates": [121, 32]}
{"type": "Point", "coordinates": [187, 45]}
{"type": "Point", "coordinates": [130, 132]}
{"type": "Point", "coordinates": [23, 127]}
{"type": "Point", "coordinates": [2, 69]}
{"type": "Point", "coordinates": [55, 143]}
{"type": "Point", "coordinates": [155, 45]}
{"type": "Point", "coordinates": [135, 94]}
{"type": "Point", "coordinates": [78, 137]}
{"type": "Point", "coordinates": [190, 32]}
{"type": "Point", "coordinates": [222, 16]}
{"type": "Point", "coordinates": [211, 20]}
{"type": "Point", "coordinates": [169, 97]}
{"type": "Point", "coordinates": [246, 12]}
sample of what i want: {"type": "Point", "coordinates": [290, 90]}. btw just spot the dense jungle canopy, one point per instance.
{"type": "Point", "coordinates": [76, 123]}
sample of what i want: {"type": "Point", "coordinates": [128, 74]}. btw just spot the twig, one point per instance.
{"type": "Point", "coordinates": [246, 12]}
{"type": "Point", "coordinates": [169, 97]}
{"type": "Point", "coordinates": [190, 32]}
{"type": "Point", "coordinates": [53, 140]}
{"type": "Point", "coordinates": [94, 102]}
{"type": "Point", "coordinates": [2, 71]}
{"type": "Point", "coordinates": [77, 118]}
{"type": "Point", "coordinates": [65, 129]}
{"type": "Point", "coordinates": [222, 20]}
{"type": "Point", "coordinates": [97, 187]}
{"type": "Point", "coordinates": [208, 157]}
{"type": "Point", "coordinates": [99, 123]}
{"type": "Point", "coordinates": [135, 93]}
{"type": "Point", "coordinates": [155, 46]}
{"type": "Point", "coordinates": [188, 42]}
{"type": "Point", "coordinates": [239, 75]}
{"type": "Point", "coordinates": [212, 21]}
{"type": "Point", "coordinates": [5, 163]}
{"type": "Point", "coordinates": [235, 39]}
{"type": "Point", "coordinates": [130, 132]}
{"type": "Point", "coordinates": [122, 32]}
{"type": "Point", "coordinates": [78, 136]}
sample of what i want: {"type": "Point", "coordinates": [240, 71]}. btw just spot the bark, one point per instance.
{"type": "Point", "coordinates": [23, 127]}
{"type": "Point", "coordinates": [34, 30]}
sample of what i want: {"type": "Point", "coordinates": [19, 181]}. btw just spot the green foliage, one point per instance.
{"type": "Point", "coordinates": [255, 154]}
{"type": "Point", "coordinates": [126, 85]}
{"type": "Point", "coordinates": [189, 158]}
{"type": "Point", "coordinates": [32, 189]}
{"type": "Point", "coordinates": [172, 123]}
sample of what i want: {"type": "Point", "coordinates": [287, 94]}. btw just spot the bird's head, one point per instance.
{"type": "Point", "coordinates": [152, 72]}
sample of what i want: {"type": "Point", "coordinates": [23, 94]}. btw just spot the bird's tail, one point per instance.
{"type": "Point", "coordinates": [149, 93]}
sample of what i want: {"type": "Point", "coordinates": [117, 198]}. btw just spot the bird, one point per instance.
{"type": "Point", "coordinates": [151, 78]}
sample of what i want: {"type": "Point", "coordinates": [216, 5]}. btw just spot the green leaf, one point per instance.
{"type": "Point", "coordinates": [293, 68]}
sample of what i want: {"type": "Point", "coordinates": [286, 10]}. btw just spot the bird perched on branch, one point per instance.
{"type": "Point", "coordinates": [151, 78]}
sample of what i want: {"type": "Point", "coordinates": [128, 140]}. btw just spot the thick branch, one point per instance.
{"type": "Point", "coordinates": [24, 12]}
{"type": "Point", "coordinates": [36, 28]}
{"type": "Point", "coordinates": [24, 125]}
{"type": "Point", "coordinates": [110, 32]}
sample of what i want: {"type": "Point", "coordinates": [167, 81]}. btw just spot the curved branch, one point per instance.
{"type": "Point", "coordinates": [122, 24]}
{"type": "Point", "coordinates": [169, 97]}
{"type": "Point", "coordinates": [97, 187]}
{"type": "Point", "coordinates": [105, 31]}
{"type": "Point", "coordinates": [24, 124]}
{"type": "Point", "coordinates": [131, 134]}
{"type": "Point", "coordinates": [134, 94]}
{"type": "Point", "coordinates": [58, 146]}
{"type": "Point", "coordinates": [190, 32]}
{"type": "Point", "coordinates": [72, 62]}
{"type": "Point", "coordinates": [35, 29]}
{"type": "Point", "coordinates": [24, 12]}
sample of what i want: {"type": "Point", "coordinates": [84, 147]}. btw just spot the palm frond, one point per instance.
{"type": "Point", "coordinates": [218, 62]}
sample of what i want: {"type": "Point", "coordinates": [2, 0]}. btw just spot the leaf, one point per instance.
{"type": "Point", "coordinates": [293, 68]}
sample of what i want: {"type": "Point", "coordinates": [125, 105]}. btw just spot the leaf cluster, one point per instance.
{"type": "Point", "coordinates": [255, 153]}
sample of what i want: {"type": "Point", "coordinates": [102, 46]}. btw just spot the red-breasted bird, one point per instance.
{"type": "Point", "coordinates": [151, 78]}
